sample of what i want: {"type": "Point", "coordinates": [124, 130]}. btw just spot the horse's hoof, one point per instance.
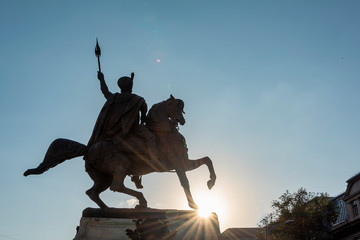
{"type": "Point", "coordinates": [211, 183]}
{"type": "Point", "coordinates": [141, 206]}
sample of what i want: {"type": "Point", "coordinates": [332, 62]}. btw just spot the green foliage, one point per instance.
{"type": "Point", "coordinates": [301, 215]}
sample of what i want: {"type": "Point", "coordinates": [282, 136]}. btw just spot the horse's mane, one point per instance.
{"type": "Point", "coordinates": [154, 110]}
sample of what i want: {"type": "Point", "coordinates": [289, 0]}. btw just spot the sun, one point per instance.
{"type": "Point", "coordinates": [204, 212]}
{"type": "Point", "coordinates": [208, 203]}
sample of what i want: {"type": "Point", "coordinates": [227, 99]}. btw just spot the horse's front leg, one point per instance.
{"type": "Point", "coordinates": [193, 164]}
{"type": "Point", "coordinates": [185, 184]}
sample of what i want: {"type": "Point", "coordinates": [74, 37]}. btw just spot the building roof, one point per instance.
{"type": "Point", "coordinates": [350, 184]}
{"type": "Point", "coordinates": [353, 178]}
{"type": "Point", "coordinates": [240, 233]}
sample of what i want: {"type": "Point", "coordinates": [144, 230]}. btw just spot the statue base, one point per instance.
{"type": "Point", "coordinates": [149, 224]}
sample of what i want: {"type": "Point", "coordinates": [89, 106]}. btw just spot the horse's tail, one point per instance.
{"type": "Point", "coordinates": [58, 151]}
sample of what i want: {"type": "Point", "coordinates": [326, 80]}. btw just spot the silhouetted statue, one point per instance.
{"type": "Point", "coordinates": [126, 142]}
{"type": "Point", "coordinates": [120, 115]}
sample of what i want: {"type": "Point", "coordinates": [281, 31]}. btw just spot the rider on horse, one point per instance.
{"type": "Point", "coordinates": [120, 115]}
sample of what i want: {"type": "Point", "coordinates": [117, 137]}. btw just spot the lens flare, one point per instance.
{"type": "Point", "coordinates": [209, 203]}
{"type": "Point", "coordinates": [204, 212]}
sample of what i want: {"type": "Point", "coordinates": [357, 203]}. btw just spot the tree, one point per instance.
{"type": "Point", "coordinates": [301, 215]}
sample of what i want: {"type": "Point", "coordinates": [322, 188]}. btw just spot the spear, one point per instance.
{"type": "Point", "coordinates": [98, 53]}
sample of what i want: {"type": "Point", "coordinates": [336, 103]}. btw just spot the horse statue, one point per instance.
{"type": "Point", "coordinates": [108, 167]}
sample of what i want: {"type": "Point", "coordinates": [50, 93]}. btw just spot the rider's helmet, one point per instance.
{"type": "Point", "coordinates": [126, 83]}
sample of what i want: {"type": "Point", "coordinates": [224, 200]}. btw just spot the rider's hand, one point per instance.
{"type": "Point", "coordinates": [100, 76]}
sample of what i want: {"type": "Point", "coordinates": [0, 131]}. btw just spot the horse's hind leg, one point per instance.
{"type": "Point", "coordinates": [101, 182]}
{"type": "Point", "coordinates": [118, 185]}
{"type": "Point", "coordinates": [118, 170]}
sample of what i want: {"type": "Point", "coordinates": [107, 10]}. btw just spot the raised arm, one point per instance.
{"type": "Point", "coordinates": [104, 88]}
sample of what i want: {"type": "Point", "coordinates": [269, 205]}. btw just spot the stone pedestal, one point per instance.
{"type": "Point", "coordinates": [146, 224]}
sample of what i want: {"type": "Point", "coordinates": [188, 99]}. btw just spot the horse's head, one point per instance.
{"type": "Point", "coordinates": [175, 110]}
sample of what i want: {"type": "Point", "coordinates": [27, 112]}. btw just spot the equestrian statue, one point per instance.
{"type": "Point", "coordinates": [129, 141]}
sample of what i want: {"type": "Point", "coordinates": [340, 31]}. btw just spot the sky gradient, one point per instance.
{"type": "Point", "coordinates": [270, 91]}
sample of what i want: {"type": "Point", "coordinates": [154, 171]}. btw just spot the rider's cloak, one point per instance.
{"type": "Point", "coordinates": [119, 113]}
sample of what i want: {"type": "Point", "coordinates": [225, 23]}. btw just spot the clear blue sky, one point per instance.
{"type": "Point", "coordinates": [270, 91]}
